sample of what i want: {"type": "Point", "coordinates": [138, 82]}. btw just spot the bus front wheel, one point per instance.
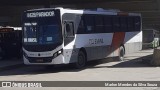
{"type": "Point", "coordinates": [121, 53]}
{"type": "Point", "coordinates": [81, 60]}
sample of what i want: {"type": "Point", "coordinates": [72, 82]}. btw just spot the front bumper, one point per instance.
{"type": "Point", "coordinates": [44, 61]}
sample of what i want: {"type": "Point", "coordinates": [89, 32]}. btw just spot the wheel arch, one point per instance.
{"type": "Point", "coordinates": [84, 50]}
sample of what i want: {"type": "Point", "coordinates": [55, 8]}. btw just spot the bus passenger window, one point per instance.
{"type": "Point", "coordinates": [137, 23]}
{"type": "Point", "coordinates": [123, 22]}
{"type": "Point", "coordinates": [81, 26]}
{"type": "Point", "coordinates": [99, 24]}
{"type": "Point", "coordinates": [108, 24]}
{"type": "Point", "coordinates": [116, 24]}
{"type": "Point", "coordinates": [130, 24]}
{"type": "Point", "coordinates": [89, 23]}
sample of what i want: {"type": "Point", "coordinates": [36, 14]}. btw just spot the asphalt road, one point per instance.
{"type": "Point", "coordinates": [134, 68]}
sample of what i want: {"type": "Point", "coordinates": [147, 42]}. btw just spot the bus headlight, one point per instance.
{"type": "Point", "coordinates": [57, 53]}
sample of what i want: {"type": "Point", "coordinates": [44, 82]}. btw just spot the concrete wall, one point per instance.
{"type": "Point", "coordinates": [12, 14]}
{"type": "Point", "coordinates": [150, 10]}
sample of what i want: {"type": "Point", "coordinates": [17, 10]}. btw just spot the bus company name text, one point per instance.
{"type": "Point", "coordinates": [40, 14]}
{"type": "Point", "coordinates": [95, 41]}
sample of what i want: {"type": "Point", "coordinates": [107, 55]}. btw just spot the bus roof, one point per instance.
{"type": "Point", "coordinates": [87, 11]}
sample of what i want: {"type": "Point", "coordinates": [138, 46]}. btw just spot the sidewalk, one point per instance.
{"type": "Point", "coordinates": [10, 64]}
{"type": "Point", "coordinates": [140, 54]}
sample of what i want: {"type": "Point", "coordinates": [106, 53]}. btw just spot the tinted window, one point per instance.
{"type": "Point", "coordinates": [123, 23]}
{"type": "Point", "coordinates": [137, 23]}
{"type": "Point", "coordinates": [108, 24]}
{"type": "Point", "coordinates": [130, 23]}
{"type": "Point", "coordinates": [89, 23]}
{"type": "Point", "coordinates": [116, 24]}
{"type": "Point", "coordinates": [99, 24]}
{"type": "Point", "coordinates": [81, 27]}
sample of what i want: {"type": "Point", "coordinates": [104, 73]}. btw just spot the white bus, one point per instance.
{"type": "Point", "coordinates": [62, 36]}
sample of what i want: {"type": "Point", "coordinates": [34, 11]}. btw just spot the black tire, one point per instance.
{"type": "Point", "coordinates": [121, 53]}
{"type": "Point", "coordinates": [81, 60]}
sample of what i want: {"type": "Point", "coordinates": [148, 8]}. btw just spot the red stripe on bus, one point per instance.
{"type": "Point", "coordinates": [118, 39]}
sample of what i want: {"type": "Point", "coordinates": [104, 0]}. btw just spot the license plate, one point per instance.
{"type": "Point", "coordinates": [39, 60]}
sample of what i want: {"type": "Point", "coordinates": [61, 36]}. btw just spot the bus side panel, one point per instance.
{"type": "Point", "coordinates": [133, 42]}
{"type": "Point", "coordinates": [97, 45]}
{"type": "Point", "coordinates": [97, 52]}
{"type": "Point", "coordinates": [95, 48]}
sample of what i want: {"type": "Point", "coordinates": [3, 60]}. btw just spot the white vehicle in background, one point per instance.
{"type": "Point", "coordinates": [150, 38]}
{"type": "Point", "coordinates": [62, 36]}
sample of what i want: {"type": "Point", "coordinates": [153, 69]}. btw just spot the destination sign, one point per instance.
{"type": "Point", "coordinates": [40, 14]}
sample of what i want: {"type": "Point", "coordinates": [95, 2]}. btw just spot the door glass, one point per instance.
{"type": "Point", "coordinates": [69, 29]}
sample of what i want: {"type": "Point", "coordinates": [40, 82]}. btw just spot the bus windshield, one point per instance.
{"type": "Point", "coordinates": [41, 34]}
{"type": "Point", "coordinates": [41, 27]}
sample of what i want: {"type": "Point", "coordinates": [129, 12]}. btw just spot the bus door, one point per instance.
{"type": "Point", "coordinates": [68, 38]}
{"type": "Point", "coordinates": [68, 32]}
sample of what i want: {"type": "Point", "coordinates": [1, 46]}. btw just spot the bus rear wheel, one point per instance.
{"type": "Point", "coordinates": [121, 53]}
{"type": "Point", "coordinates": [81, 60]}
